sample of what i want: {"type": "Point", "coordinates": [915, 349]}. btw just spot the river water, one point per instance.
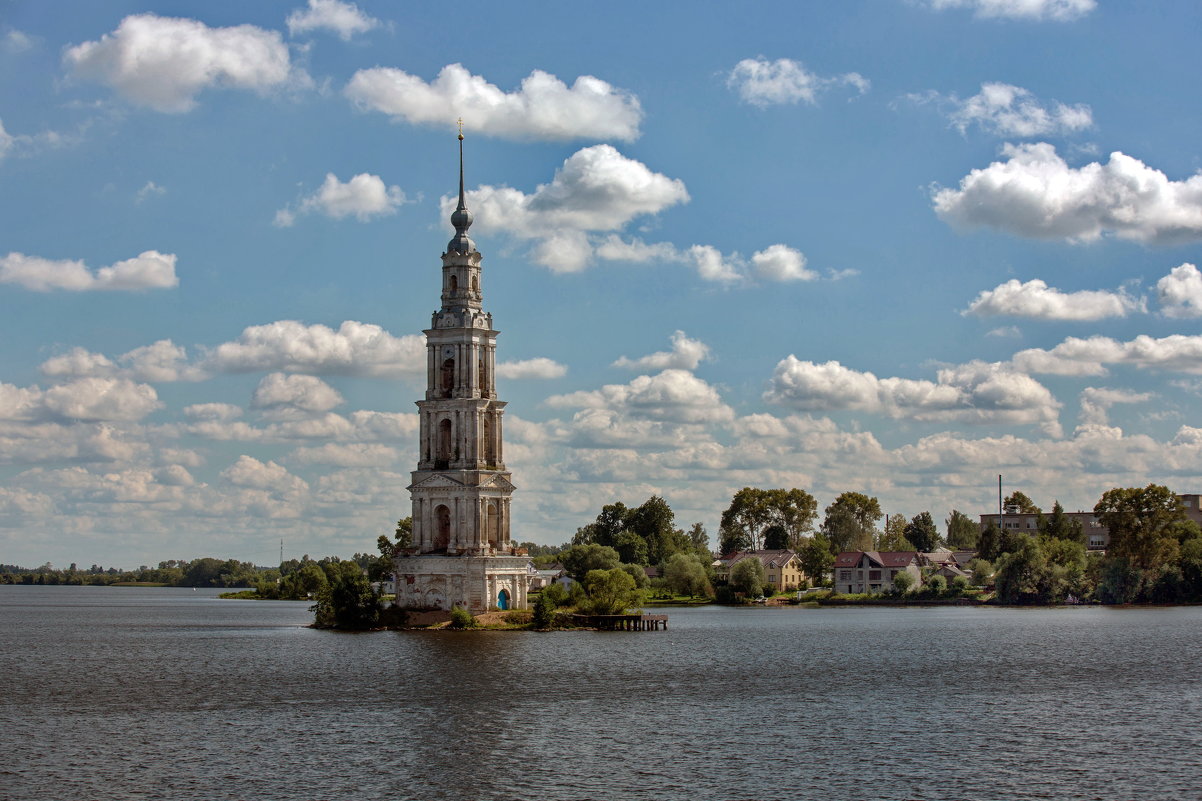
{"type": "Point", "coordinates": [121, 693]}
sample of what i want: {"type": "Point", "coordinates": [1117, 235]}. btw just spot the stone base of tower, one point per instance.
{"type": "Point", "coordinates": [477, 583]}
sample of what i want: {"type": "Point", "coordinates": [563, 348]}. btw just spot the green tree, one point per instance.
{"type": "Point", "coordinates": [699, 539]}
{"type": "Point", "coordinates": [404, 533]}
{"type": "Point", "coordinates": [935, 586]}
{"type": "Point", "coordinates": [638, 573]}
{"type": "Point", "coordinates": [462, 618]}
{"type": "Point", "coordinates": [981, 571]}
{"type": "Point", "coordinates": [348, 601]}
{"type": "Point", "coordinates": [631, 548]}
{"type": "Point", "coordinates": [1018, 572]}
{"type": "Point", "coordinates": [893, 537]}
{"type": "Point", "coordinates": [962, 533]}
{"type": "Point", "coordinates": [1059, 525]}
{"type": "Point", "coordinates": [776, 538]}
{"type": "Point", "coordinates": [543, 615]}
{"type": "Point", "coordinates": [655, 522]}
{"type": "Point", "coordinates": [816, 559]}
{"type": "Point", "coordinates": [850, 522]}
{"type": "Point", "coordinates": [744, 520]}
{"type": "Point", "coordinates": [578, 560]}
{"type": "Point", "coordinates": [989, 544]}
{"type": "Point", "coordinates": [1020, 501]}
{"type": "Point", "coordinates": [753, 510]}
{"type": "Point", "coordinates": [1142, 524]}
{"type": "Point", "coordinates": [204, 572]}
{"type": "Point", "coordinates": [1121, 582]}
{"type": "Point", "coordinates": [747, 577]}
{"type": "Point", "coordinates": [903, 583]}
{"type": "Point", "coordinates": [610, 592]}
{"type": "Point", "coordinates": [922, 532]}
{"type": "Point", "coordinates": [685, 575]}
{"type": "Point", "coordinates": [309, 581]}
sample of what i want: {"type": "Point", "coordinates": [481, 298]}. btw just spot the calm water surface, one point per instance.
{"type": "Point", "coordinates": [116, 693]}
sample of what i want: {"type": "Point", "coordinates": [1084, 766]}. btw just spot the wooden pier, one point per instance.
{"type": "Point", "coordinates": [623, 622]}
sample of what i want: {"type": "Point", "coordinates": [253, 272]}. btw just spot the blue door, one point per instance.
{"type": "Point", "coordinates": [503, 599]}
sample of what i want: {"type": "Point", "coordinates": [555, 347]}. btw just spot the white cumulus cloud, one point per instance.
{"type": "Point", "coordinates": [543, 108]}
{"type": "Point", "coordinates": [686, 354]}
{"type": "Point", "coordinates": [1035, 193]}
{"type": "Point", "coordinates": [782, 263]}
{"type": "Point", "coordinates": [1036, 300]}
{"type": "Point", "coordinates": [540, 367]}
{"type": "Point", "coordinates": [672, 396]}
{"type": "Point", "coordinates": [147, 270]}
{"type": "Point", "coordinates": [344, 19]}
{"type": "Point", "coordinates": [1007, 110]}
{"type": "Point", "coordinates": [777, 262]}
{"type": "Point", "coordinates": [596, 189]}
{"type": "Point", "coordinates": [364, 195]}
{"type": "Point", "coordinates": [976, 392]}
{"type": "Point", "coordinates": [346, 455]}
{"type": "Point", "coordinates": [1056, 10]}
{"type": "Point", "coordinates": [1096, 402]}
{"type": "Point", "coordinates": [767, 83]}
{"type": "Point", "coordinates": [250, 472]}
{"type": "Point", "coordinates": [6, 141]}
{"type": "Point", "coordinates": [1180, 292]}
{"type": "Point", "coordinates": [354, 349]}
{"type": "Point", "coordinates": [89, 399]}
{"type": "Point", "coordinates": [163, 62]}
{"type": "Point", "coordinates": [1076, 356]}
{"type": "Point", "coordinates": [304, 392]}
{"type": "Point", "coordinates": [159, 361]}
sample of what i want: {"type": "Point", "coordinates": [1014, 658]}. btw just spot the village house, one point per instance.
{"type": "Point", "coordinates": [782, 569]}
{"type": "Point", "coordinates": [874, 571]}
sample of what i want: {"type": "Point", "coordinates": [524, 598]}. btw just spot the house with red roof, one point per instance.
{"type": "Point", "coordinates": [874, 571]}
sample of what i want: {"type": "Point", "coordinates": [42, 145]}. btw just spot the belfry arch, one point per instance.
{"type": "Point", "coordinates": [442, 528]}
{"type": "Point", "coordinates": [447, 378]}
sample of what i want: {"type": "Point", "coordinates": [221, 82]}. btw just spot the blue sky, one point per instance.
{"type": "Point", "coordinates": [896, 247]}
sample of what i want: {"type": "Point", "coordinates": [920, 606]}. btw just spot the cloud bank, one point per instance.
{"type": "Point", "coordinates": [1035, 193]}
{"type": "Point", "coordinates": [543, 108]}
{"type": "Point", "coordinates": [164, 62]}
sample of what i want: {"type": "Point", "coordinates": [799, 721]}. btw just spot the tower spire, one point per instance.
{"type": "Point", "coordinates": [461, 218]}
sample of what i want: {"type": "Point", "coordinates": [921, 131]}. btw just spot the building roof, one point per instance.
{"type": "Point", "coordinates": [876, 558]}
{"type": "Point", "coordinates": [774, 559]}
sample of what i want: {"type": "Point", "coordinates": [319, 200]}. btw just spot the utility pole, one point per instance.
{"type": "Point", "coordinates": [1000, 511]}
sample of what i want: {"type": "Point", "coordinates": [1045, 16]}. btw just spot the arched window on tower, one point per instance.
{"type": "Point", "coordinates": [454, 284]}
{"type": "Point", "coordinates": [491, 526]}
{"type": "Point", "coordinates": [490, 448]}
{"type": "Point", "coordinates": [483, 380]}
{"type": "Point", "coordinates": [443, 458]}
{"type": "Point", "coordinates": [442, 528]}
{"type": "Point", "coordinates": [476, 284]}
{"type": "Point", "coordinates": [448, 377]}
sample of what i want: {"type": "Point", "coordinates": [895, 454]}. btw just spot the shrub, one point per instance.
{"type": "Point", "coordinates": [960, 585]}
{"type": "Point", "coordinates": [461, 618]}
{"type": "Point", "coordinates": [518, 617]}
{"type": "Point", "coordinates": [936, 586]}
{"type": "Point", "coordinates": [544, 611]}
{"type": "Point", "coordinates": [981, 571]}
{"type": "Point", "coordinates": [557, 593]}
{"type": "Point", "coordinates": [902, 583]}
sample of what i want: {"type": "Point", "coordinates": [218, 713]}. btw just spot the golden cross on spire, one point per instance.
{"type": "Point", "coordinates": [459, 122]}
